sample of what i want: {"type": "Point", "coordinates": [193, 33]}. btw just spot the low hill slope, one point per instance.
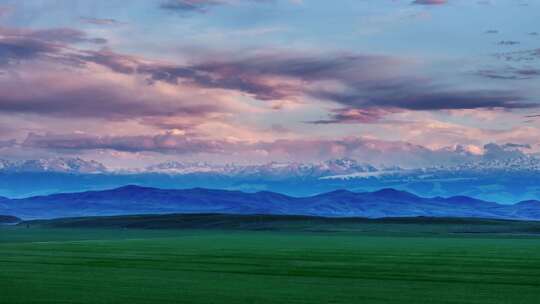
{"type": "Point", "coordinates": [8, 219]}
{"type": "Point", "coordinates": [401, 226]}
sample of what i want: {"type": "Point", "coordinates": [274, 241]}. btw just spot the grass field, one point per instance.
{"type": "Point", "coordinates": [46, 265]}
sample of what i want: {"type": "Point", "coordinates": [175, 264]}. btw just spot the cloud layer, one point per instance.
{"type": "Point", "coordinates": [383, 82]}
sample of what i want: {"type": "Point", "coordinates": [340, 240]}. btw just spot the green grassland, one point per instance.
{"type": "Point", "coordinates": [296, 260]}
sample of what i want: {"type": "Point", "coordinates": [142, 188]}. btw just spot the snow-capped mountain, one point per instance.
{"type": "Point", "coordinates": [175, 167]}
{"type": "Point", "coordinates": [4, 164]}
{"type": "Point", "coordinates": [345, 168]}
{"type": "Point", "coordinates": [331, 169]}
{"type": "Point", "coordinates": [522, 163]}
{"type": "Point", "coordinates": [272, 169]}
{"type": "Point", "coordinates": [61, 165]}
{"type": "Point", "coordinates": [502, 179]}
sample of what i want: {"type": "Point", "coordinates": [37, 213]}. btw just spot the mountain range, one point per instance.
{"type": "Point", "coordinates": [330, 169]}
{"type": "Point", "coordinates": [334, 168]}
{"type": "Point", "coordinates": [342, 203]}
{"type": "Point", "coordinates": [59, 165]}
{"type": "Point", "coordinates": [504, 180]}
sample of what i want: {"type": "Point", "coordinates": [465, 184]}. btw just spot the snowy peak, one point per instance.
{"type": "Point", "coordinates": [4, 164]}
{"type": "Point", "coordinates": [61, 165]}
{"type": "Point", "coordinates": [174, 167]}
{"type": "Point", "coordinates": [271, 169]}
{"type": "Point", "coordinates": [344, 168]}
{"type": "Point", "coordinates": [522, 163]}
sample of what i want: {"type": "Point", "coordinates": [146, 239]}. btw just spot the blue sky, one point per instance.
{"type": "Point", "coordinates": [258, 80]}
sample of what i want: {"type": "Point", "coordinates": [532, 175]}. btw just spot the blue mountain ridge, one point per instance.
{"type": "Point", "coordinates": [340, 203]}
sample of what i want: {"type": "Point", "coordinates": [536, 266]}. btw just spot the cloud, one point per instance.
{"type": "Point", "coordinates": [369, 115]}
{"type": "Point", "coordinates": [410, 96]}
{"type": "Point", "coordinates": [190, 5]}
{"type": "Point", "coordinates": [266, 77]}
{"type": "Point", "coordinates": [269, 78]}
{"type": "Point", "coordinates": [18, 44]}
{"type": "Point", "coordinates": [16, 49]}
{"type": "Point", "coordinates": [519, 56]}
{"type": "Point", "coordinates": [354, 81]}
{"type": "Point", "coordinates": [517, 146]}
{"type": "Point", "coordinates": [508, 42]}
{"type": "Point", "coordinates": [502, 152]}
{"type": "Point", "coordinates": [510, 73]}
{"type": "Point", "coordinates": [169, 142]}
{"type": "Point", "coordinates": [8, 143]}
{"type": "Point", "coordinates": [200, 6]}
{"type": "Point", "coordinates": [53, 79]}
{"type": "Point", "coordinates": [99, 21]}
{"type": "Point", "coordinates": [430, 2]}
{"type": "Point", "coordinates": [5, 11]}
{"type": "Point", "coordinates": [367, 86]}
{"type": "Point", "coordinates": [305, 150]}
{"type": "Point", "coordinates": [99, 94]}
{"type": "Point", "coordinates": [181, 144]}
{"type": "Point", "coordinates": [116, 62]}
{"type": "Point", "coordinates": [74, 83]}
{"type": "Point", "coordinates": [53, 35]}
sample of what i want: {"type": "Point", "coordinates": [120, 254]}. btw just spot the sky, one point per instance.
{"type": "Point", "coordinates": [132, 83]}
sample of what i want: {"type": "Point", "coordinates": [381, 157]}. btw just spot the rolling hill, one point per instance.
{"type": "Point", "coordinates": [9, 219]}
{"type": "Point", "coordinates": [293, 223]}
{"type": "Point", "coordinates": [342, 203]}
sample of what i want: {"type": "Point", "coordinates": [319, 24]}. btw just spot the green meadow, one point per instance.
{"type": "Point", "coordinates": [87, 265]}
